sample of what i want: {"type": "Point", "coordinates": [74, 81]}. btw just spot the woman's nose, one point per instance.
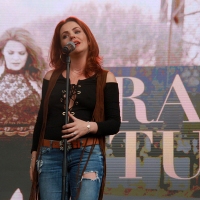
{"type": "Point", "coordinates": [16, 56]}
{"type": "Point", "coordinates": [72, 37]}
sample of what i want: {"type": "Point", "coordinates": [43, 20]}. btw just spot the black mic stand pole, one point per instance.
{"type": "Point", "coordinates": [64, 169]}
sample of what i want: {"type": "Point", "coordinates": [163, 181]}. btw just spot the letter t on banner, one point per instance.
{"type": "Point", "coordinates": [130, 156]}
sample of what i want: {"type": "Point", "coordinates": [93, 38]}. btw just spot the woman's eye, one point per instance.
{"type": "Point", "coordinates": [77, 32]}
{"type": "Point", "coordinates": [10, 52]}
{"type": "Point", "coordinates": [22, 53]}
{"type": "Point", "coordinates": [65, 36]}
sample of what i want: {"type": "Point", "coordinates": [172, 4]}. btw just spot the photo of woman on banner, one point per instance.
{"type": "Point", "coordinates": [21, 66]}
{"type": "Point", "coordinates": [93, 114]}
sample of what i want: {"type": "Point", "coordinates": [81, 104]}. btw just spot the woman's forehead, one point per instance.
{"type": "Point", "coordinates": [13, 44]}
{"type": "Point", "coordinates": [68, 26]}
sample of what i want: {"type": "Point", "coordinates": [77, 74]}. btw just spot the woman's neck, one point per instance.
{"type": "Point", "coordinates": [77, 65]}
{"type": "Point", "coordinates": [10, 71]}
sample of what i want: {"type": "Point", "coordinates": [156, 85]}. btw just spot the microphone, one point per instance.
{"type": "Point", "coordinates": [70, 46]}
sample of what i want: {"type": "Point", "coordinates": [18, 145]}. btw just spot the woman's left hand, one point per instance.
{"type": "Point", "coordinates": [76, 129]}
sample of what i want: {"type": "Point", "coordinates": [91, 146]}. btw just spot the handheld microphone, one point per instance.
{"type": "Point", "coordinates": [70, 46]}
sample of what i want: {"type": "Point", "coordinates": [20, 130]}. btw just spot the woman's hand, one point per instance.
{"type": "Point", "coordinates": [32, 164]}
{"type": "Point", "coordinates": [77, 128]}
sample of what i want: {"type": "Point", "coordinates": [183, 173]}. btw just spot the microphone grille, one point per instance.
{"type": "Point", "coordinates": [69, 47]}
{"type": "Point", "coordinates": [72, 46]}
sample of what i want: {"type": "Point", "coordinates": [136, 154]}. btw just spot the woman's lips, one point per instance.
{"type": "Point", "coordinates": [15, 64]}
{"type": "Point", "coordinates": [76, 43]}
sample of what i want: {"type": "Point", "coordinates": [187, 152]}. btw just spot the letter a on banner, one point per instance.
{"type": "Point", "coordinates": [184, 99]}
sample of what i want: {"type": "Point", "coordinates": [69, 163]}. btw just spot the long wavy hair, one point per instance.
{"type": "Point", "coordinates": [35, 63]}
{"type": "Point", "coordinates": [93, 61]}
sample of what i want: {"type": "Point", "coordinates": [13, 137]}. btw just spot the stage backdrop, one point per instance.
{"type": "Point", "coordinates": [152, 47]}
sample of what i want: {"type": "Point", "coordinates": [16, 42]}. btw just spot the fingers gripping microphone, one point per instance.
{"type": "Point", "coordinates": [70, 46]}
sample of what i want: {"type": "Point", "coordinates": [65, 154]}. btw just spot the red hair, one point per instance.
{"type": "Point", "coordinates": [93, 62]}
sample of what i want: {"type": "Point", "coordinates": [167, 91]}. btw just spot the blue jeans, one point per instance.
{"type": "Point", "coordinates": [50, 173]}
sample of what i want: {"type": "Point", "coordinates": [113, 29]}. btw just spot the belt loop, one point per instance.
{"type": "Point", "coordinates": [51, 144]}
{"type": "Point", "coordinates": [81, 142]}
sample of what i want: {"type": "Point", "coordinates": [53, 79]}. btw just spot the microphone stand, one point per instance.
{"type": "Point", "coordinates": [64, 169]}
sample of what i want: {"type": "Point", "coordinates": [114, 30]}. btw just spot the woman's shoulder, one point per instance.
{"type": "Point", "coordinates": [48, 74]}
{"type": "Point", "coordinates": [110, 77]}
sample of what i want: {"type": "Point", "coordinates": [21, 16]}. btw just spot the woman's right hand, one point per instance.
{"type": "Point", "coordinates": [32, 164]}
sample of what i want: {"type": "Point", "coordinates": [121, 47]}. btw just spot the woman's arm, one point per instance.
{"type": "Point", "coordinates": [38, 124]}
{"type": "Point", "coordinates": [39, 121]}
{"type": "Point", "coordinates": [112, 121]}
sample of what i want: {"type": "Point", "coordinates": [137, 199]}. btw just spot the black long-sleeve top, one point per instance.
{"type": "Point", "coordinates": [84, 104]}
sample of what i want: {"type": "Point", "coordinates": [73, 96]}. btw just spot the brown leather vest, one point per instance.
{"type": "Point", "coordinates": [98, 116]}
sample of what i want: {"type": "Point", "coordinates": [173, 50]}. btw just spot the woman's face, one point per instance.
{"type": "Point", "coordinates": [71, 31]}
{"type": "Point", "coordinates": [15, 55]}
